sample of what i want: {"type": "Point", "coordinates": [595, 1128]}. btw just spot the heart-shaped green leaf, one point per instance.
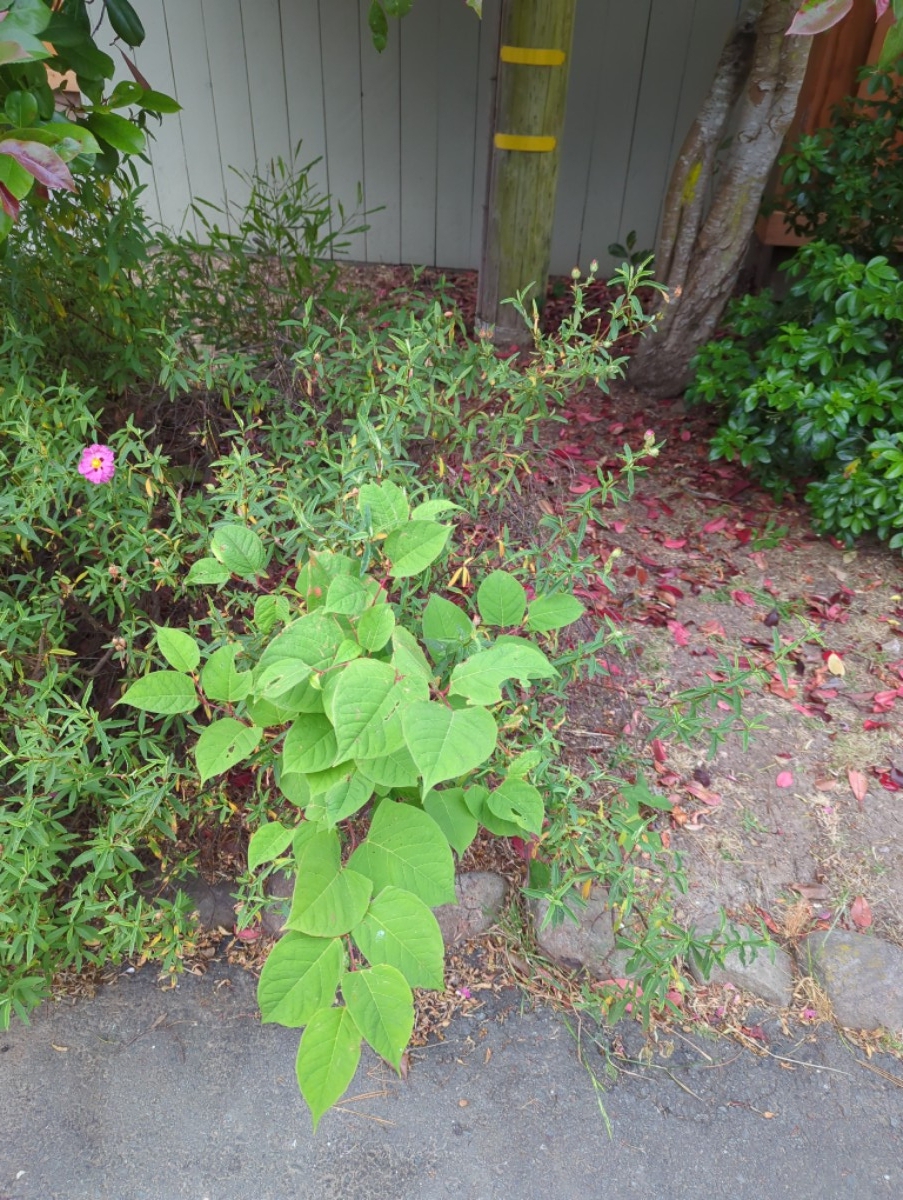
{"type": "Point", "coordinates": [299, 977]}
{"type": "Point", "coordinates": [328, 1055]}
{"type": "Point", "coordinates": [382, 1005]}
{"type": "Point", "coordinates": [405, 847]}
{"type": "Point", "coordinates": [399, 929]}
{"type": "Point", "coordinates": [327, 901]}
{"type": "Point", "coordinates": [447, 742]}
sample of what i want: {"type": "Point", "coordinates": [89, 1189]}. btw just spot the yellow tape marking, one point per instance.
{"type": "Point", "coordinates": [531, 57]}
{"type": "Point", "coordinates": [515, 141]}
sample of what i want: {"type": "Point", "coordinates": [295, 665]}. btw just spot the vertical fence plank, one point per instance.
{"type": "Point", "coordinates": [303, 69]}
{"type": "Point", "coordinates": [381, 101]}
{"type": "Point", "coordinates": [487, 73]}
{"type": "Point", "coordinates": [266, 80]}
{"type": "Point", "coordinates": [664, 65]}
{"type": "Point", "coordinates": [231, 98]}
{"type": "Point", "coordinates": [459, 48]}
{"type": "Point", "coordinates": [188, 48]}
{"type": "Point", "coordinates": [620, 57]}
{"type": "Point", "coordinates": [586, 82]}
{"type": "Point", "coordinates": [341, 48]}
{"type": "Point", "coordinates": [167, 148]}
{"type": "Point", "coordinates": [420, 55]}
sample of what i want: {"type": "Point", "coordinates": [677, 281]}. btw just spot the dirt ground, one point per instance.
{"type": "Point", "coordinates": [802, 828]}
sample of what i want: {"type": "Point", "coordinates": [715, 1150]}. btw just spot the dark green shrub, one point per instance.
{"type": "Point", "coordinates": [77, 291]}
{"type": "Point", "coordinates": [844, 184]}
{"type": "Point", "coordinates": [813, 390]}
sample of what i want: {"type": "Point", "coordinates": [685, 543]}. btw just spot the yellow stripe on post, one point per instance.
{"type": "Point", "coordinates": [516, 141]}
{"type": "Point", "coordinates": [531, 57]}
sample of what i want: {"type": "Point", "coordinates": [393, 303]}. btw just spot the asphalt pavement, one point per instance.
{"type": "Point", "coordinates": [143, 1093]}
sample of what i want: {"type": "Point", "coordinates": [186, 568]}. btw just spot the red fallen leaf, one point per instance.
{"type": "Point", "coordinates": [743, 535]}
{"type": "Point", "coordinates": [769, 922]}
{"type": "Point", "coordinates": [759, 559]}
{"type": "Point", "coordinates": [810, 710]}
{"type": "Point", "coordinates": [784, 779]}
{"type": "Point", "coordinates": [868, 725]}
{"type": "Point", "coordinates": [685, 435]}
{"type": "Point", "coordinates": [674, 543]}
{"type": "Point", "coordinates": [861, 913]}
{"type": "Point", "coordinates": [715, 526]}
{"type": "Point", "coordinates": [619, 526]}
{"type": "Point", "coordinates": [785, 693]}
{"type": "Point", "coordinates": [756, 1032]}
{"type": "Point", "coordinates": [581, 488]}
{"type": "Point", "coordinates": [884, 778]}
{"type": "Point", "coordinates": [884, 701]}
{"type": "Point", "coordinates": [666, 777]}
{"type": "Point", "coordinates": [702, 793]}
{"type": "Point", "coordinates": [251, 934]}
{"type": "Point", "coordinates": [525, 849]}
{"type": "Point", "coordinates": [680, 633]}
{"type": "Point", "coordinates": [658, 750]}
{"type": "Point", "coordinates": [712, 629]}
{"type": "Point", "coordinates": [740, 597]}
{"type": "Point", "coordinates": [859, 785]}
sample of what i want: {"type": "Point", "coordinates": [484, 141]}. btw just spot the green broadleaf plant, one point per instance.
{"type": "Point", "coordinates": [346, 710]}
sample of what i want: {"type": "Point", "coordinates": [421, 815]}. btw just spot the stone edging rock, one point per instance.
{"type": "Point", "coordinates": [862, 975]}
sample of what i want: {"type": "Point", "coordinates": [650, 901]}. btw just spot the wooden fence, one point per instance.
{"type": "Point", "coordinates": [408, 130]}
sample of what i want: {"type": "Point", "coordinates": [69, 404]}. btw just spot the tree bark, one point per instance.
{"type": "Point", "coordinates": [700, 252]}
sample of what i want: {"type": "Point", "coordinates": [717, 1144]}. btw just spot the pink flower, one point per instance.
{"type": "Point", "coordinates": [96, 464]}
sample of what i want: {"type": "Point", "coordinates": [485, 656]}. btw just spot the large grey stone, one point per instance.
{"type": "Point", "coordinates": [481, 895]}
{"type": "Point", "coordinates": [279, 887]}
{"type": "Point", "coordinates": [213, 902]}
{"type": "Point", "coordinates": [766, 971]}
{"type": "Point", "coordinates": [584, 945]}
{"type": "Point", "coordinates": [863, 977]}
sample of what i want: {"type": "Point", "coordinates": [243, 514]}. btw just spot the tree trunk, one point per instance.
{"type": "Point", "coordinates": [531, 95]}
{"type": "Point", "coordinates": [700, 252]}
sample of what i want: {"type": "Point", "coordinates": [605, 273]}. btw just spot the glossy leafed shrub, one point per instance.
{"type": "Point", "coordinates": [812, 391]}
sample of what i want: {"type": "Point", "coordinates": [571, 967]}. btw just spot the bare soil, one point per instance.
{"type": "Point", "coordinates": [803, 827]}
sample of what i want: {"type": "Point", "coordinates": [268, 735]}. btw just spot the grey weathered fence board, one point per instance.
{"type": "Point", "coordinates": [228, 64]}
{"type": "Point", "coordinates": [622, 42]}
{"type": "Point", "coordinates": [408, 131]}
{"type": "Point", "coordinates": [167, 150]}
{"type": "Point", "coordinates": [340, 41]}
{"type": "Point", "coordinates": [381, 90]}
{"type": "Point", "coordinates": [420, 52]}
{"type": "Point", "coordinates": [188, 48]}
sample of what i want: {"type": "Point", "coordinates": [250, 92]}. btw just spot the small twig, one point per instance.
{"type": "Point", "coordinates": [364, 1116]}
{"type": "Point", "coordinates": [894, 1079]}
{"type": "Point", "coordinates": [800, 1062]}
{"type": "Point", "coordinates": [674, 1079]}
{"type": "Point", "coordinates": [695, 1047]}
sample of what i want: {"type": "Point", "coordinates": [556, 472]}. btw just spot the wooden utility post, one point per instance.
{"type": "Point", "coordinates": [531, 96]}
